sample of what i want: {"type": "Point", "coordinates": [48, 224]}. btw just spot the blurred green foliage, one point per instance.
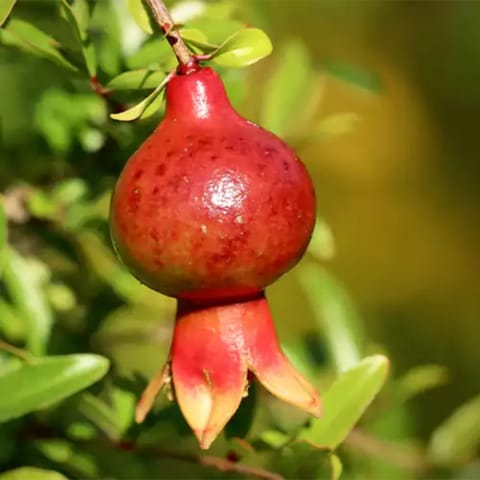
{"type": "Point", "coordinates": [68, 309]}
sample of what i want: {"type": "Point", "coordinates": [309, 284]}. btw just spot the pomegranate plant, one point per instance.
{"type": "Point", "coordinates": [211, 209]}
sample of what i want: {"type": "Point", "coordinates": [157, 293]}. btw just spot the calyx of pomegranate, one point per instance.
{"type": "Point", "coordinates": [210, 210]}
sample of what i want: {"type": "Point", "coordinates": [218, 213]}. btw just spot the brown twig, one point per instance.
{"type": "Point", "coordinates": [209, 461]}
{"type": "Point", "coordinates": [165, 22]}
{"type": "Point", "coordinates": [218, 463]}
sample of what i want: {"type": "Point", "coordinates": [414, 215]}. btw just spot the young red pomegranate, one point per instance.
{"type": "Point", "coordinates": [211, 209]}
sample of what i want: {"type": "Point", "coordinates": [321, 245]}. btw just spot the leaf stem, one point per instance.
{"type": "Point", "coordinates": [165, 22]}
{"type": "Point", "coordinates": [17, 352]}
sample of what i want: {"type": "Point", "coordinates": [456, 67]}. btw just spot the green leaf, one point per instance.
{"type": "Point", "coordinates": [69, 13]}
{"type": "Point", "coordinates": [322, 243]}
{"type": "Point", "coordinates": [337, 467]}
{"type": "Point", "coordinates": [140, 14]}
{"type": "Point", "coordinates": [418, 380]}
{"type": "Point", "coordinates": [243, 48]}
{"type": "Point", "coordinates": [27, 295]}
{"type": "Point", "coordinates": [6, 7]}
{"type": "Point", "coordinates": [346, 400]}
{"type": "Point", "coordinates": [90, 56]}
{"type": "Point", "coordinates": [154, 54]}
{"type": "Point", "coordinates": [302, 459]}
{"type": "Point", "coordinates": [31, 473]}
{"type": "Point", "coordinates": [458, 437]}
{"type": "Point", "coordinates": [78, 15]}
{"type": "Point", "coordinates": [215, 29]}
{"type": "Point", "coordinates": [335, 315]}
{"type": "Point", "coordinates": [136, 80]}
{"type": "Point", "coordinates": [336, 124]}
{"type": "Point", "coordinates": [25, 35]}
{"type": "Point", "coordinates": [47, 381]}
{"type": "Point", "coordinates": [81, 11]}
{"type": "Point", "coordinates": [100, 414]}
{"type": "Point", "coordinates": [12, 326]}
{"type": "Point", "coordinates": [3, 233]}
{"type": "Point", "coordinates": [197, 40]}
{"type": "Point", "coordinates": [140, 110]}
{"type": "Point", "coordinates": [355, 75]}
{"type": "Point", "coordinates": [289, 92]}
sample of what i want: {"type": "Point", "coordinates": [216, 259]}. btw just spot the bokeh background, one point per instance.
{"type": "Point", "coordinates": [396, 172]}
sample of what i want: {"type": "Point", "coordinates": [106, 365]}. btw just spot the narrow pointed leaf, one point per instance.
{"type": "Point", "coordinates": [196, 39]}
{"type": "Point", "coordinates": [28, 37]}
{"type": "Point", "coordinates": [337, 318]}
{"type": "Point", "coordinates": [101, 414]}
{"type": "Point", "coordinates": [346, 400]}
{"type": "Point", "coordinates": [418, 380]}
{"type": "Point", "coordinates": [71, 16]}
{"type": "Point", "coordinates": [140, 15]}
{"type": "Point", "coordinates": [29, 299]}
{"type": "Point", "coordinates": [136, 80]}
{"type": "Point", "coordinates": [51, 379]}
{"type": "Point", "coordinates": [458, 437]}
{"type": "Point", "coordinates": [289, 91]}
{"type": "Point", "coordinates": [243, 48]}
{"type": "Point", "coordinates": [6, 7]}
{"type": "Point", "coordinates": [139, 109]}
{"type": "Point", "coordinates": [90, 56]}
{"type": "Point", "coordinates": [354, 75]}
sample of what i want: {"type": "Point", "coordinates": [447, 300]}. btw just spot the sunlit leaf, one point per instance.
{"type": "Point", "coordinates": [31, 473]}
{"type": "Point", "coordinates": [6, 7]}
{"type": "Point", "coordinates": [25, 35]}
{"type": "Point", "coordinates": [136, 80]}
{"type": "Point", "coordinates": [140, 109]}
{"type": "Point", "coordinates": [38, 385]}
{"type": "Point", "coordinates": [458, 437]}
{"type": "Point", "coordinates": [154, 107]}
{"type": "Point", "coordinates": [243, 48]}
{"type": "Point", "coordinates": [140, 14]}
{"type": "Point", "coordinates": [335, 314]}
{"type": "Point", "coordinates": [354, 74]}
{"type": "Point", "coordinates": [337, 467]}
{"type": "Point", "coordinates": [28, 297]}
{"type": "Point", "coordinates": [289, 91]}
{"type": "Point", "coordinates": [346, 400]}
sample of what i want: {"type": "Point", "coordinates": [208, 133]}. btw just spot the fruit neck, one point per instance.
{"type": "Point", "coordinates": [198, 95]}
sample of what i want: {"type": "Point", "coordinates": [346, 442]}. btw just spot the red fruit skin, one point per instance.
{"type": "Point", "coordinates": [211, 206]}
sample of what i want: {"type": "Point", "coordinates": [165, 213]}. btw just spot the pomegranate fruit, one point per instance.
{"type": "Point", "coordinates": [211, 209]}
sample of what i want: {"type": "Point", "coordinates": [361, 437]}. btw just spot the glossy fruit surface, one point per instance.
{"type": "Point", "coordinates": [210, 206]}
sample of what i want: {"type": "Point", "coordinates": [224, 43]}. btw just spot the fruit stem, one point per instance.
{"type": "Point", "coordinates": [164, 19]}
